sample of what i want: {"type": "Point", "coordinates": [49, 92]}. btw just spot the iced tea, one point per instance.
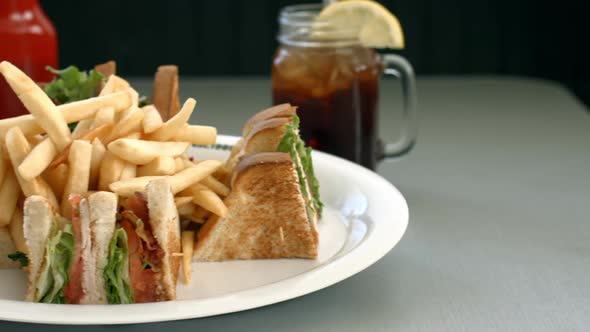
{"type": "Point", "coordinates": [335, 90]}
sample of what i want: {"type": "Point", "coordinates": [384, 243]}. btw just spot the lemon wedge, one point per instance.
{"type": "Point", "coordinates": [368, 21]}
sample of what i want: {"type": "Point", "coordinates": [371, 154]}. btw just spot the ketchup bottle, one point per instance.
{"type": "Point", "coordinates": [28, 40]}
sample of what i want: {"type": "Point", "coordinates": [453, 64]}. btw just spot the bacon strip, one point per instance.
{"type": "Point", "coordinates": [138, 205]}
{"type": "Point", "coordinates": [142, 249]}
{"type": "Point", "coordinates": [142, 280]}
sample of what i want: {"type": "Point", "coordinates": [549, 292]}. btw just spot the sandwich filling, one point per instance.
{"type": "Point", "coordinates": [73, 291]}
{"type": "Point", "coordinates": [293, 144]}
{"type": "Point", "coordinates": [144, 256]}
{"type": "Point", "coordinates": [56, 263]}
{"type": "Point", "coordinates": [60, 280]}
{"type": "Point", "coordinates": [116, 272]}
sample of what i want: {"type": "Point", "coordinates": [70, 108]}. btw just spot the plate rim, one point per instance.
{"type": "Point", "coordinates": [376, 245]}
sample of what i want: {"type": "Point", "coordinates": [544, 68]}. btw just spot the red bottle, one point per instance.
{"type": "Point", "coordinates": [28, 40]}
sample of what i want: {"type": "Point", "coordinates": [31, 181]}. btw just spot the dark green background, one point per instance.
{"type": "Point", "coordinates": [544, 39]}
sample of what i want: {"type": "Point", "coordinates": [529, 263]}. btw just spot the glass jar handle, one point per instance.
{"type": "Point", "coordinates": [395, 65]}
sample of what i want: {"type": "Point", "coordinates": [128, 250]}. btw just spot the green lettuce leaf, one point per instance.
{"type": "Point", "coordinates": [71, 84]}
{"type": "Point", "coordinates": [116, 273]}
{"type": "Point", "coordinates": [294, 145]}
{"type": "Point", "coordinates": [305, 153]}
{"type": "Point", "coordinates": [54, 274]}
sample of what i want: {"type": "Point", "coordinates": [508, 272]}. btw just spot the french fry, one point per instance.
{"type": "Point", "coordinates": [207, 199]}
{"type": "Point", "coordinates": [125, 113]}
{"type": "Point", "coordinates": [39, 104]}
{"type": "Point", "coordinates": [152, 120]}
{"type": "Point", "coordinates": [162, 165]}
{"type": "Point", "coordinates": [179, 164]}
{"type": "Point", "coordinates": [110, 170]}
{"type": "Point", "coordinates": [98, 151]}
{"type": "Point", "coordinates": [9, 192]}
{"type": "Point", "coordinates": [135, 135]}
{"type": "Point", "coordinates": [186, 162]}
{"type": "Point", "coordinates": [182, 200]}
{"type": "Point", "coordinates": [114, 84]}
{"type": "Point", "coordinates": [4, 163]}
{"type": "Point", "coordinates": [185, 193]}
{"type": "Point", "coordinates": [174, 124]}
{"type": "Point", "coordinates": [26, 123]}
{"type": "Point", "coordinates": [188, 242]}
{"type": "Point", "coordinates": [38, 160]}
{"type": "Point", "coordinates": [200, 215]}
{"type": "Point", "coordinates": [127, 188]}
{"type": "Point", "coordinates": [3, 151]}
{"type": "Point", "coordinates": [129, 171]}
{"type": "Point", "coordinates": [99, 131]}
{"type": "Point", "coordinates": [178, 182]}
{"type": "Point", "coordinates": [18, 148]}
{"type": "Point", "coordinates": [210, 182]}
{"type": "Point", "coordinates": [56, 178]}
{"type": "Point", "coordinates": [17, 232]}
{"type": "Point", "coordinates": [82, 128]}
{"type": "Point", "coordinates": [129, 122]}
{"type": "Point", "coordinates": [79, 174]}
{"type": "Point", "coordinates": [198, 135]}
{"type": "Point", "coordinates": [141, 152]}
{"type": "Point", "coordinates": [189, 176]}
{"type": "Point", "coordinates": [105, 115]}
{"type": "Point", "coordinates": [72, 112]}
{"type": "Point", "coordinates": [134, 97]}
{"type": "Point", "coordinates": [84, 109]}
{"type": "Point", "coordinates": [89, 136]}
{"type": "Point", "coordinates": [36, 139]}
{"type": "Point", "coordinates": [216, 186]}
{"type": "Point", "coordinates": [186, 210]}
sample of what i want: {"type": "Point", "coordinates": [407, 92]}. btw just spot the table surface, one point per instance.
{"type": "Point", "coordinates": [498, 188]}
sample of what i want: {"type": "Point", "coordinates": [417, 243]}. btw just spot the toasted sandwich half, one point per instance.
{"type": "Point", "coordinates": [93, 259]}
{"type": "Point", "coordinates": [58, 251]}
{"type": "Point", "coordinates": [274, 204]}
{"type": "Point", "coordinates": [267, 215]}
{"type": "Point", "coordinates": [150, 235]}
{"type": "Point", "coordinates": [277, 130]}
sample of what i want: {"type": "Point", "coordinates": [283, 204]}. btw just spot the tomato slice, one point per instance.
{"type": "Point", "coordinates": [73, 291]}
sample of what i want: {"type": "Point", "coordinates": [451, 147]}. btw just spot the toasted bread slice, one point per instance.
{"type": "Point", "coordinates": [264, 136]}
{"type": "Point", "coordinates": [38, 219]}
{"type": "Point", "coordinates": [263, 131]}
{"type": "Point", "coordinates": [106, 69]}
{"type": "Point", "coordinates": [89, 263]}
{"type": "Point", "coordinates": [165, 91]}
{"type": "Point", "coordinates": [163, 218]}
{"type": "Point", "coordinates": [277, 111]}
{"type": "Point", "coordinates": [102, 218]}
{"type": "Point", "coordinates": [267, 215]}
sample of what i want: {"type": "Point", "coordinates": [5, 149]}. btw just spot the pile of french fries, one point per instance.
{"type": "Point", "coordinates": [116, 146]}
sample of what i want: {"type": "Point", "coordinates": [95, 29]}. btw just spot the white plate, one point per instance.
{"type": "Point", "coordinates": [365, 217]}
